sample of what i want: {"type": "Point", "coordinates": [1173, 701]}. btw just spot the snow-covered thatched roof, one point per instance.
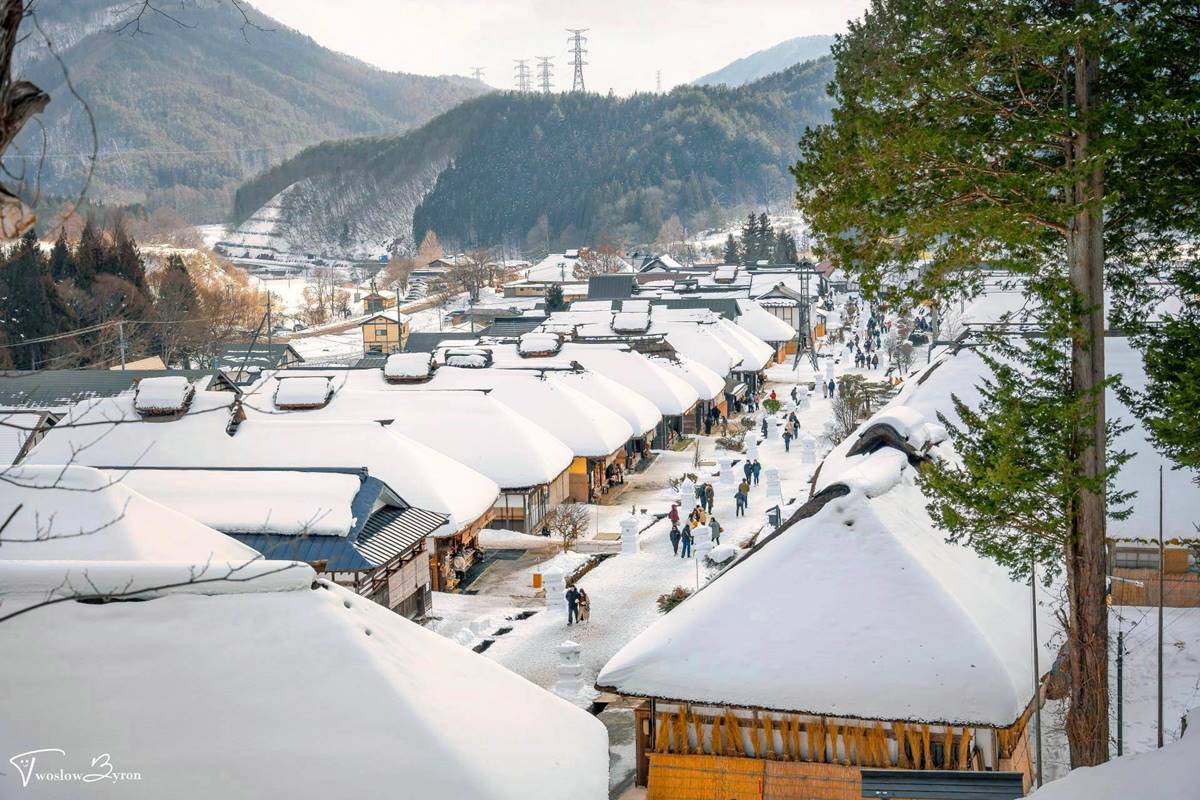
{"type": "Point", "coordinates": [219, 680]}
{"type": "Point", "coordinates": [109, 433]}
{"type": "Point", "coordinates": [762, 323]}
{"type": "Point", "coordinates": [79, 512]}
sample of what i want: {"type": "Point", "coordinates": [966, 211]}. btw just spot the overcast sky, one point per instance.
{"type": "Point", "coordinates": [629, 39]}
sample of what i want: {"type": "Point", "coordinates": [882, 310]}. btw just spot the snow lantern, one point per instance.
{"type": "Point", "coordinates": [629, 535]}
{"type": "Point", "coordinates": [702, 543]}
{"type": "Point", "coordinates": [808, 450]}
{"type": "Point", "coordinates": [773, 487]}
{"type": "Point", "coordinates": [687, 493]}
{"type": "Point", "coordinates": [726, 465]}
{"type": "Point", "coordinates": [773, 428]}
{"type": "Point", "coordinates": [751, 444]}
{"type": "Point", "coordinates": [570, 670]}
{"type": "Point", "coordinates": [556, 587]}
{"type": "Point", "coordinates": [828, 370]}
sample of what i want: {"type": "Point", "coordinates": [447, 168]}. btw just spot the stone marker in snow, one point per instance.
{"type": "Point", "coordinates": [556, 587]}
{"type": "Point", "coordinates": [570, 671]}
{"type": "Point", "coordinates": [808, 452]}
{"type": "Point", "coordinates": [726, 466]}
{"type": "Point", "coordinates": [629, 535]}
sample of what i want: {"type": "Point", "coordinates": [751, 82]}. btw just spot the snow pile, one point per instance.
{"type": "Point", "coordinates": [512, 540]}
{"type": "Point", "coordinates": [408, 367]}
{"type": "Point", "coordinates": [303, 392]}
{"type": "Point", "coordinates": [77, 512]}
{"type": "Point", "coordinates": [539, 344]}
{"type": "Point", "coordinates": [254, 653]}
{"type": "Point", "coordinates": [166, 395]}
{"type": "Point", "coordinates": [1166, 774]}
{"type": "Point", "coordinates": [254, 501]}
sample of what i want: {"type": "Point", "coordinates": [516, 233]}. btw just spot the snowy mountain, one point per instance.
{"type": "Point", "coordinates": [186, 110]}
{"type": "Point", "coordinates": [764, 62]}
{"type": "Point", "coordinates": [546, 171]}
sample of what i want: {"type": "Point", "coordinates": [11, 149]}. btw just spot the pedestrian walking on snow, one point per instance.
{"type": "Point", "coordinates": [875, 361]}
{"type": "Point", "coordinates": [708, 497]}
{"type": "Point", "coordinates": [747, 469]}
{"type": "Point", "coordinates": [674, 515]}
{"type": "Point", "coordinates": [687, 543]}
{"type": "Point", "coordinates": [764, 426]}
{"type": "Point", "coordinates": [740, 500]}
{"type": "Point", "coordinates": [572, 605]}
{"type": "Point", "coordinates": [757, 468]}
{"type": "Point", "coordinates": [716, 530]}
{"type": "Point", "coordinates": [744, 488]}
{"type": "Point", "coordinates": [832, 388]}
{"type": "Point", "coordinates": [675, 537]}
{"type": "Point", "coordinates": [787, 439]}
{"type": "Point", "coordinates": [585, 605]}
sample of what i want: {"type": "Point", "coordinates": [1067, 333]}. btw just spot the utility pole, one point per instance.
{"type": "Point", "coordinates": [269, 332]}
{"type": "Point", "coordinates": [658, 81]}
{"type": "Point", "coordinates": [1037, 672]}
{"type": "Point", "coordinates": [121, 347]}
{"type": "Point", "coordinates": [521, 73]}
{"type": "Point", "coordinates": [477, 73]}
{"type": "Point", "coordinates": [1161, 576]}
{"type": "Point", "coordinates": [1120, 693]}
{"type": "Point", "coordinates": [577, 41]}
{"type": "Point", "coordinates": [545, 69]}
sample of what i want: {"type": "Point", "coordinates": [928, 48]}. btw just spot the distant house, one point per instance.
{"type": "Point", "coordinates": [784, 302]}
{"type": "Point", "coordinates": [768, 327]}
{"type": "Point", "coordinates": [385, 332]}
{"type": "Point", "coordinates": [245, 362]}
{"type": "Point", "coordinates": [374, 302]}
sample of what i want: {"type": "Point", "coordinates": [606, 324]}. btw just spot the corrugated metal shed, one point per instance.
{"type": "Point", "coordinates": [56, 388]}
{"type": "Point", "coordinates": [918, 784]}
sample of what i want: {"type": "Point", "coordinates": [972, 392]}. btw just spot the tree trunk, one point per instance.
{"type": "Point", "coordinates": [1087, 717]}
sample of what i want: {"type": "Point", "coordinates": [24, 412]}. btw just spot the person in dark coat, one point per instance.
{"type": "Point", "coordinates": [716, 530]}
{"type": "Point", "coordinates": [708, 497]}
{"type": "Point", "coordinates": [787, 439]}
{"type": "Point", "coordinates": [757, 467]}
{"type": "Point", "coordinates": [572, 605]}
{"type": "Point", "coordinates": [747, 470]}
{"type": "Point", "coordinates": [832, 388]}
{"type": "Point", "coordinates": [740, 501]}
{"type": "Point", "coordinates": [675, 537]}
{"type": "Point", "coordinates": [764, 426]}
{"type": "Point", "coordinates": [687, 543]}
{"type": "Point", "coordinates": [875, 361]}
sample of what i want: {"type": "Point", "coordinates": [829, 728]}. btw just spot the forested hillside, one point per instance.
{"type": "Point", "coordinates": [185, 112]}
{"type": "Point", "coordinates": [558, 168]}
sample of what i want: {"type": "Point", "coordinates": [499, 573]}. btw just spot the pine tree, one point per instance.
{"type": "Point", "coordinates": [62, 264]}
{"type": "Point", "coordinates": [29, 308]}
{"type": "Point", "coordinates": [785, 248]}
{"type": "Point", "coordinates": [733, 254]}
{"type": "Point", "coordinates": [125, 261]}
{"type": "Point", "coordinates": [90, 255]}
{"type": "Point", "coordinates": [765, 238]}
{"type": "Point", "coordinates": [554, 299]}
{"type": "Point", "coordinates": [976, 133]}
{"type": "Point", "coordinates": [750, 241]}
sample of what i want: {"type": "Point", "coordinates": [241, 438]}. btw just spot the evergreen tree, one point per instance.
{"type": "Point", "coordinates": [554, 299]}
{"type": "Point", "coordinates": [90, 255]}
{"type": "Point", "coordinates": [765, 238]}
{"type": "Point", "coordinates": [62, 264]}
{"type": "Point", "coordinates": [29, 306]}
{"type": "Point", "coordinates": [733, 255]}
{"type": "Point", "coordinates": [750, 241]}
{"type": "Point", "coordinates": [125, 261]}
{"type": "Point", "coordinates": [785, 248]}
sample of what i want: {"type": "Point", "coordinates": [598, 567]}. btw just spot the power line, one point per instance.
{"type": "Point", "coordinates": [545, 67]}
{"type": "Point", "coordinates": [577, 41]}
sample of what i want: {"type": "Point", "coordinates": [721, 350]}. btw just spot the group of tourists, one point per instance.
{"type": "Point", "coordinates": [683, 537]}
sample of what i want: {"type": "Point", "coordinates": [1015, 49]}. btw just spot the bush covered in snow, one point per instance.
{"type": "Point", "coordinates": [668, 601]}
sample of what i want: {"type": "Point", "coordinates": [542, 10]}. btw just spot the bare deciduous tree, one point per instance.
{"type": "Point", "coordinates": [568, 522]}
